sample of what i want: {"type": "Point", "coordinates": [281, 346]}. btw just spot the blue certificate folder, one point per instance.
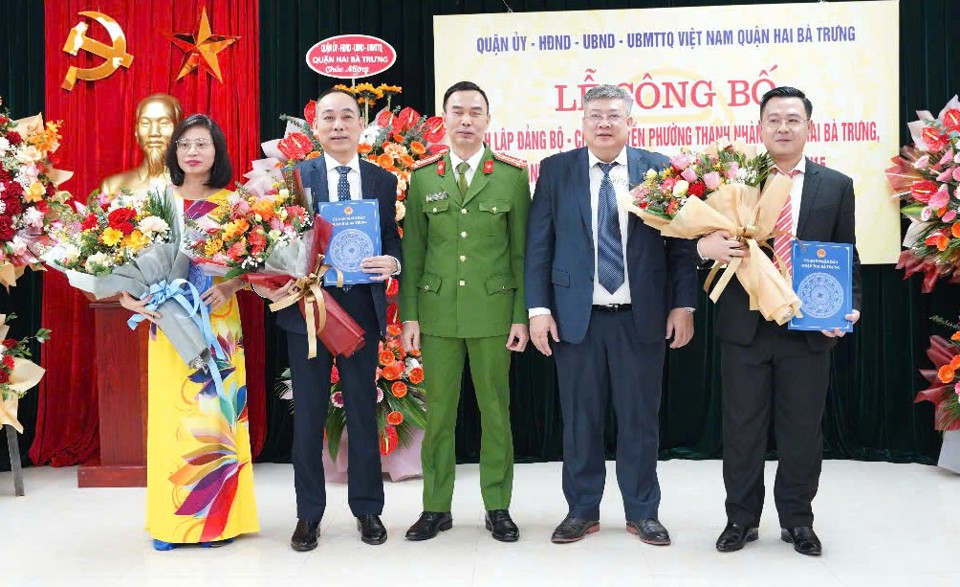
{"type": "Point", "coordinates": [823, 280]}
{"type": "Point", "coordinates": [356, 236]}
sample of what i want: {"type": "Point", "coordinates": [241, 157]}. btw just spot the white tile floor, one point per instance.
{"type": "Point", "coordinates": [882, 524]}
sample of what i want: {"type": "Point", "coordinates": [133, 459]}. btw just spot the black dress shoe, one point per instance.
{"type": "Point", "coordinates": [804, 540]}
{"type": "Point", "coordinates": [429, 525]}
{"type": "Point", "coordinates": [499, 524]}
{"type": "Point", "coordinates": [305, 536]}
{"type": "Point", "coordinates": [650, 531]}
{"type": "Point", "coordinates": [734, 536]}
{"type": "Point", "coordinates": [573, 529]}
{"type": "Point", "coordinates": [371, 529]}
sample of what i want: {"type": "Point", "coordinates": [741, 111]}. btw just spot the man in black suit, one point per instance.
{"type": "Point", "coordinates": [768, 370]}
{"type": "Point", "coordinates": [340, 175]}
{"type": "Point", "coordinates": [608, 290]}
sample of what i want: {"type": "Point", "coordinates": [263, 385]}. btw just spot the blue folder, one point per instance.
{"type": "Point", "coordinates": [823, 280]}
{"type": "Point", "coordinates": [356, 236]}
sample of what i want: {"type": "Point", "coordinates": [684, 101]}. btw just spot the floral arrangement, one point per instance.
{"type": "Point", "coordinates": [697, 175]}
{"type": "Point", "coordinates": [30, 204]}
{"type": "Point", "coordinates": [13, 351]}
{"type": "Point", "coordinates": [944, 378]}
{"type": "Point", "coordinates": [925, 177]}
{"type": "Point", "coordinates": [112, 230]}
{"type": "Point", "coordinates": [400, 399]}
{"type": "Point", "coordinates": [244, 228]}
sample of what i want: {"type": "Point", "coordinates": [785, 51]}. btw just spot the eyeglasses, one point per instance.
{"type": "Point", "coordinates": [596, 118]}
{"type": "Point", "coordinates": [200, 144]}
{"type": "Point", "coordinates": [776, 123]}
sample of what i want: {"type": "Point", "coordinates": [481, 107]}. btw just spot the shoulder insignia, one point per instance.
{"type": "Point", "coordinates": [510, 160]}
{"type": "Point", "coordinates": [424, 162]}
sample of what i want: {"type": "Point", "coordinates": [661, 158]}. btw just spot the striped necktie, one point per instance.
{"type": "Point", "coordinates": [784, 228]}
{"type": "Point", "coordinates": [610, 272]}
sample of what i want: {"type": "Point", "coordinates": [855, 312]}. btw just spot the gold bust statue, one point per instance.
{"type": "Point", "coordinates": [157, 116]}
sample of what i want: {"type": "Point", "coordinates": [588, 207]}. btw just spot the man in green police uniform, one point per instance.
{"type": "Point", "coordinates": [462, 293]}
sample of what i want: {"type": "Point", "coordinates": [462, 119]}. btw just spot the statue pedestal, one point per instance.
{"type": "Point", "coordinates": [122, 395]}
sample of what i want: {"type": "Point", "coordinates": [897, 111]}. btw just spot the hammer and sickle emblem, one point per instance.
{"type": "Point", "coordinates": [114, 55]}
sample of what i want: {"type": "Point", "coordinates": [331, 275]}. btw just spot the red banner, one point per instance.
{"type": "Point", "coordinates": [99, 140]}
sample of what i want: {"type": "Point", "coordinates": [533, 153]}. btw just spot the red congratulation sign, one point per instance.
{"type": "Point", "coordinates": [351, 56]}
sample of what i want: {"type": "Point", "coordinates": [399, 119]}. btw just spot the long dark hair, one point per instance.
{"type": "Point", "coordinates": [222, 171]}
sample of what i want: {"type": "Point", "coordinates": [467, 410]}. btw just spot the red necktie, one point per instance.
{"type": "Point", "coordinates": [781, 242]}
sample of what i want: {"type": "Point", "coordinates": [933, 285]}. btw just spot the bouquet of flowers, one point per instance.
{"type": "Point", "coordinates": [130, 243]}
{"type": "Point", "coordinates": [400, 398]}
{"type": "Point", "coordinates": [240, 233]}
{"type": "Point", "coordinates": [926, 177]}
{"type": "Point", "coordinates": [696, 175]}
{"type": "Point", "coordinates": [720, 189]}
{"type": "Point", "coordinates": [30, 204]}
{"type": "Point", "coordinates": [944, 378]}
{"type": "Point", "coordinates": [17, 373]}
{"type": "Point", "coordinates": [267, 237]}
{"type": "Point", "coordinates": [112, 230]}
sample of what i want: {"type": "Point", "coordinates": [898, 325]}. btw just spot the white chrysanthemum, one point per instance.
{"type": "Point", "coordinates": [274, 235]}
{"type": "Point", "coordinates": [152, 226]}
{"type": "Point", "coordinates": [401, 211]}
{"type": "Point", "coordinates": [4, 146]}
{"type": "Point", "coordinates": [33, 217]}
{"type": "Point", "coordinates": [651, 174]}
{"type": "Point", "coordinates": [369, 134]}
{"type": "Point", "coordinates": [70, 253]}
{"type": "Point", "coordinates": [284, 193]}
{"type": "Point", "coordinates": [97, 261]}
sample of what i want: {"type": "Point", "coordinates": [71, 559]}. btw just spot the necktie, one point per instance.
{"type": "Point", "coordinates": [343, 194]}
{"type": "Point", "coordinates": [609, 247]}
{"type": "Point", "coordinates": [343, 186]}
{"type": "Point", "coordinates": [462, 169]}
{"type": "Point", "coordinates": [784, 228]}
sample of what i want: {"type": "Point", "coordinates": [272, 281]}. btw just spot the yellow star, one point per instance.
{"type": "Point", "coordinates": [201, 48]}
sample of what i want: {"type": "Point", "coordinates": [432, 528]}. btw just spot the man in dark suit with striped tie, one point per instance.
{"type": "Point", "coordinates": [608, 290]}
{"type": "Point", "coordinates": [341, 175]}
{"type": "Point", "coordinates": [768, 371]}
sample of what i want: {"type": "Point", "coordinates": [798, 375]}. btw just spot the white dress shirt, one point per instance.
{"type": "Point", "coordinates": [473, 162]}
{"type": "Point", "coordinates": [353, 178]}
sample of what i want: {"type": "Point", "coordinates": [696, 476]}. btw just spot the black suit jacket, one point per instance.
{"type": "Point", "coordinates": [826, 214]}
{"type": "Point", "coordinates": [375, 183]}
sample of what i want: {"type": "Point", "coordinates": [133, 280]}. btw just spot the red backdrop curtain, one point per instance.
{"type": "Point", "coordinates": [99, 140]}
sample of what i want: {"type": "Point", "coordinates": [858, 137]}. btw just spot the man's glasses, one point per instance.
{"type": "Point", "coordinates": [595, 118]}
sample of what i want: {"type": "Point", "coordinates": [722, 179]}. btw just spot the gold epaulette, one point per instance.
{"type": "Point", "coordinates": [509, 159]}
{"type": "Point", "coordinates": [424, 162]}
